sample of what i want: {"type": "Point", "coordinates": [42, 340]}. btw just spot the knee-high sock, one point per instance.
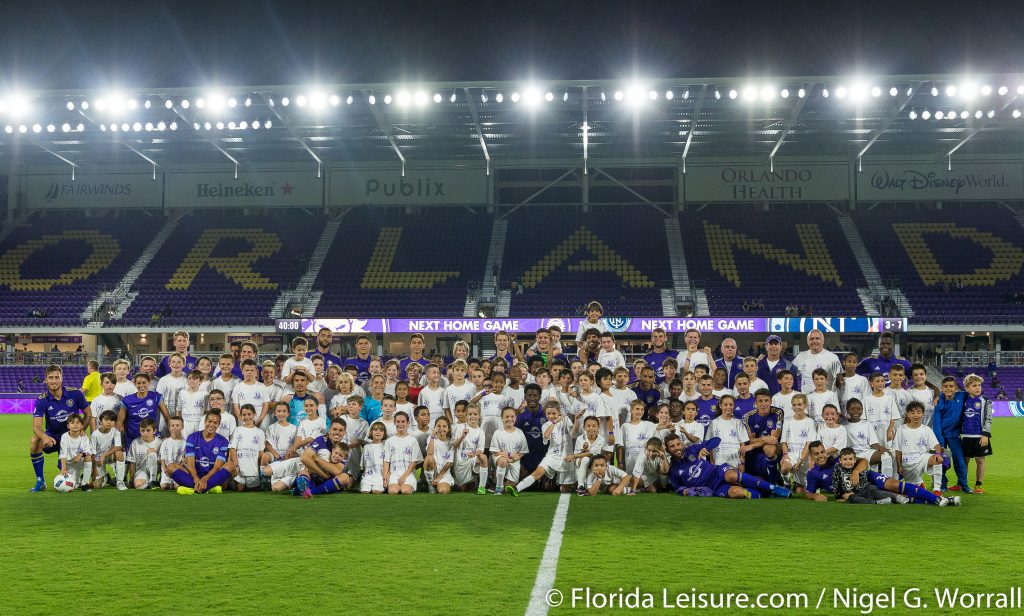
{"type": "Point", "coordinates": [936, 472]}
{"type": "Point", "coordinates": [216, 479]}
{"type": "Point", "coordinates": [753, 483]}
{"type": "Point", "coordinates": [582, 471]}
{"type": "Point", "coordinates": [754, 493]}
{"type": "Point", "coordinates": [499, 477]}
{"type": "Point", "coordinates": [37, 464]}
{"type": "Point", "coordinates": [86, 471]}
{"type": "Point", "coordinates": [483, 476]}
{"type": "Point", "coordinates": [917, 492]}
{"type": "Point", "coordinates": [525, 483]}
{"type": "Point", "coordinates": [119, 471]}
{"type": "Point", "coordinates": [182, 478]}
{"type": "Point", "coordinates": [887, 467]}
{"type": "Point", "coordinates": [330, 486]}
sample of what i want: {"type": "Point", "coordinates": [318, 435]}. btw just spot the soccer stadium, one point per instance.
{"type": "Point", "coordinates": [514, 346]}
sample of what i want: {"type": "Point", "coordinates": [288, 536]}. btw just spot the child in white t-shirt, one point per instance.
{"type": "Point", "coordinates": [107, 449]}
{"type": "Point", "coordinates": [821, 396]}
{"type": "Point", "coordinates": [797, 431]}
{"type": "Point", "coordinates": [172, 451]}
{"type": "Point", "coordinates": [609, 357]}
{"type": "Point", "coordinates": [731, 431]}
{"type": "Point", "coordinates": [508, 446]}
{"type": "Point", "coordinates": [437, 464]}
{"type": "Point", "coordinates": [299, 347]}
{"type": "Point", "coordinates": [917, 449]}
{"type": "Point", "coordinates": [247, 443]}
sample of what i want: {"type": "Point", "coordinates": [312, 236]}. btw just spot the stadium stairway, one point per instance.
{"type": "Point", "coordinates": [680, 272]}
{"type": "Point", "coordinates": [668, 303]}
{"type": "Point", "coordinates": [492, 269]}
{"type": "Point", "coordinates": [304, 289]}
{"type": "Point", "coordinates": [122, 293]}
{"type": "Point", "coordinates": [867, 267]}
{"type": "Point", "coordinates": [504, 303]}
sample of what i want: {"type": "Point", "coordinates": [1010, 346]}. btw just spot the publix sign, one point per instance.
{"type": "Point", "coordinates": [416, 187]}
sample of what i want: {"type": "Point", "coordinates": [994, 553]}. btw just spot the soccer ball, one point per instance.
{"type": "Point", "coordinates": [63, 483]}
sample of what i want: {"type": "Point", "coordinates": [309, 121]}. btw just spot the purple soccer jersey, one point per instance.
{"type": "Point", "coordinates": [206, 453]}
{"type": "Point", "coordinates": [56, 411]}
{"type": "Point", "coordinates": [139, 409]}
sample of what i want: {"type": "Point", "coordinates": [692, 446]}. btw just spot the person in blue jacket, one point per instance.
{"type": "Point", "coordinates": [946, 422]}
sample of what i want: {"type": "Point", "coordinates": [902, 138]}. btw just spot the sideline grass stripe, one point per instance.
{"type": "Point", "coordinates": [549, 563]}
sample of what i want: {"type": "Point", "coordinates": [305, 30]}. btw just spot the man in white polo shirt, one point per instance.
{"type": "Point", "coordinates": [816, 356]}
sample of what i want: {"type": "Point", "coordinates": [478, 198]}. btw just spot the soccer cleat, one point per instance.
{"type": "Point", "coordinates": [966, 490]}
{"type": "Point", "coordinates": [781, 492]}
{"type": "Point", "coordinates": [215, 490]}
{"type": "Point", "coordinates": [512, 490]}
{"type": "Point", "coordinates": [301, 486]}
{"type": "Point", "coordinates": [951, 501]}
{"type": "Point", "coordinates": [185, 491]}
{"type": "Point", "coordinates": [39, 487]}
{"type": "Point", "coordinates": [86, 487]}
{"type": "Point", "coordinates": [978, 489]}
{"type": "Point", "coordinates": [955, 489]}
{"type": "Point", "coordinates": [496, 492]}
{"type": "Point", "coordinates": [746, 494]}
{"type": "Point", "coordinates": [937, 493]}
{"type": "Point", "coordinates": [121, 486]}
{"type": "Point", "coordinates": [884, 501]}
{"type": "Point", "coordinates": [581, 491]}
{"type": "Point", "coordinates": [481, 490]}
{"type": "Point", "coordinates": [901, 500]}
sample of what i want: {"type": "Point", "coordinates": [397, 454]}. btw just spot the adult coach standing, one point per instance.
{"type": "Point", "coordinates": [769, 366]}
{"type": "Point", "coordinates": [659, 353]}
{"type": "Point", "coordinates": [816, 356]}
{"type": "Point", "coordinates": [732, 363]}
{"type": "Point", "coordinates": [884, 361]}
{"type": "Point", "coordinates": [54, 407]}
{"type": "Point", "coordinates": [180, 346]}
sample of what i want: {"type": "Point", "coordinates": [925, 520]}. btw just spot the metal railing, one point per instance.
{"type": "Point", "coordinates": [967, 359]}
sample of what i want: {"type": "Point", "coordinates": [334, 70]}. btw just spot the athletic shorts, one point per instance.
{"type": "Point", "coordinates": [973, 449]}
{"type": "Point", "coordinates": [465, 470]}
{"type": "Point", "coordinates": [409, 481]}
{"type": "Point", "coordinates": [285, 471]}
{"type": "Point", "coordinates": [718, 484]}
{"type": "Point", "coordinates": [370, 483]}
{"type": "Point", "coordinates": [143, 475]}
{"type": "Point", "coordinates": [914, 473]}
{"type": "Point", "coordinates": [56, 443]}
{"type": "Point", "coordinates": [556, 468]}
{"type": "Point", "coordinates": [249, 481]}
{"type": "Point", "coordinates": [511, 471]}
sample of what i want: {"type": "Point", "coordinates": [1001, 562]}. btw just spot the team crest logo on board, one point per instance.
{"type": "Point", "coordinates": [559, 323]}
{"type": "Point", "coordinates": [618, 325]}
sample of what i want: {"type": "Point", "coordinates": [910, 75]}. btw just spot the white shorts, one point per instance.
{"type": "Point", "coordinates": [371, 483]}
{"type": "Point", "coordinates": [465, 469]}
{"type": "Point", "coordinates": [914, 473]}
{"type": "Point", "coordinates": [249, 481]}
{"type": "Point", "coordinates": [285, 471]}
{"type": "Point", "coordinates": [409, 481]}
{"type": "Point", "coordinates": [446, 478]}
{"type": "Point", "coordinates": [511, 471]}
{"type": "Point", "coordinates": [553, 465]}
{"type": "Point", "coordinates": [188, 427]}
{"type": "Point", "coordinates": [732, 458]}
{"type": "Point", "coordinates": [141, 475]}
{"type": "Point", "coordinates": [490, 425]}
{"type": "Point", "coordinates": [799, 472]}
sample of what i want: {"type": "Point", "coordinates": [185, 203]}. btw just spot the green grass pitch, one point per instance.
{"type": "Point", "coordinates": [108, 552]}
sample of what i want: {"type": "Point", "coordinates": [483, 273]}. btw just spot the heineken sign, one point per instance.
{"type": "Point", "coordinates": [250, 189]}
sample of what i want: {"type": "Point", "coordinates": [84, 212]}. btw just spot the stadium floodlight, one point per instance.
{"type": "Point", "coordinates": [913, 114]}
{"type": "Point", "coordinates": [232, 102]}
{"type": "Point", "coordinates": [219, 125]}
{"type": "Point", "coordinates": [22, 129]}
{"type": "Point", "coordinates": [549, 96]}
{"type": "Point", "coordinates": [531, 96]}
{"type": "Point", "coordinates": [17, 105]}
{"type": "Point", "coordinates": [515, 97]}
{"type": "Point", "coordinates": [50, 128]}
{"type": "Point", "coordinates": [248, 102]}
{"type": "Point", "coordinates": [768, 93]}
{"type": "Point", "coordinates": [801, 93]}
{"type": "Point", "coordinates": [1020, 89]}
{"type": "Point", "coordinates": [991, 113]}
{"type": "Point", "coordinates": [965, 114]}
{"type": "Point", "coordinates": [163, 126]}
{"type": "Point", "coordinates": [951, 90]}
{"type": "Point", "coordinates": [70, 106]}
{"type": "Point", "coordinates": [618, 95]}
{"type": "Point", "coordinates": [200, 103]}
{"type": "Point", "coordinates": [168, 104]}
{"type": "Point", "coordinates": [939, 115]}
{"type": "Point", "coordinates": [101, 104]}
{"type": "Point", "coordinates": [334, 100]}
{"type": "Point", "coordinates": [231, 125]}
{"type": "Point", "coordinates": [499, 97]}
{"type": "Point", "coordinates": [388, 99]}
{"type": "Point", "coordinates": [893, 91]}
{"type": "Point", "coordinates": [749, 93]}
{"type": "Point", "coordinates": [1003, 90]}
{"type": "Point", "coordinates": [1015, 113]}
{"type": "Point", "coordinates": [686, 95]}
{"type": "Point", "coordinates": [148, 104]}
{"type": "Point", "coordinates": [841, 92]}
{"type": "Point", "coordinates": [653, 95]}
{"type": "Point", "coordinates": [421, 98]}
{"type": "Point", "coordinates": [824, 92]}
{"type": "Point", "coordinates": [604, 97]}
{"type": "Point", "coordinates": [453, 97]}
{"type": "Point", "coordinates": [8, 129]}
{"type": "Point", "coordinates": [733, 94]}
{"type": "Point", "coordinates": [986, 90]}
{"type": "Point", "coordinates": [876, 91]}
{"type": "Point", "coordinates": [137, 126]}
{"type": "Point", "coordinates": [565, 96]}
{"type": "Point", "coordinates": [125, 127]}
{"type": "Point", "coordinates": [285, 101]}
{"type": "Point", "coordinates": [348, 100]}
{"type": "Point", "coordinates": [978, 114]}
{"type": "Point", "coordinates": [402, 99]}
{"type": "Point", "coordinates": [372, 99]}
{"type": "Point", "coordinates": [80, 127]}
{"type": "Point", "coordinates": [84, 105]}
{"type": "Point", "coordinates": [935, 91]}
{"type": "Point", "coordinates": [207, 126]}
{"type": "Point", "coordinates": [669, 95]}
{"type": "Point", "coordinates": [926, 115]}
{"type": "Point", "coordinates": [784, 93]}
{"type": "Point", "coordinates": [132, 104]}
{"type": "Point", "coordinates": [184, 103]}
{"type": "Point", "coordinates": [37, 128]}
{"type": "Point", "coordinates": [317, 99]}
{"type": "Point", "coordinates": [255, 124]}
{"type": "Point", "coordinates": [243, 125]}
{"type": "Point", "coordinates": [483, 97]}
{"type": "Point", "coordinates": [300, 100]}
{"type": "Point", "coordinates": [113, 127]}
{"type": "Point", "coordinates": [65, 127]}
{"type": "Point", "coordinates": [268, 124]}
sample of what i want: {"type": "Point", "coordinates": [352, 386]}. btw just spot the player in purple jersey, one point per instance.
{"type": "Point", "coordinates": [883, 361]}
{"type": "Point", "coordinates": [324, 460]}
{"type": "Point", "coordinates": [765, 428]}
{"type": "Point", "coordinates": [416, 356]}
{"type": "Point", "coordinates": [659, 353]}
{"type": "Point", "coordinates": [819, 477]}
{"type": "Point", "coordinates": [690, 469]}
{"type": "Point", "coordinates": [324, 337]}
{"type": "Point", "coordinates": [362, 359]}
{"type": "Point", "coordinates": [50, 416]}
{"type": "Point", "coordinates": [138, 406]}
{"type": "Point", "coordinates": [181, 346]}
{"type": "Point", "coordinates": [206, 453]}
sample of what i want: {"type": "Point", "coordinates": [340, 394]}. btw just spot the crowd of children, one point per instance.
{"type": "Point", "coordinates": [516, 421]}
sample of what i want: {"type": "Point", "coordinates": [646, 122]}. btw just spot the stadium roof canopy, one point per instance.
{"type": "Point", "coordinates": [682, 119]}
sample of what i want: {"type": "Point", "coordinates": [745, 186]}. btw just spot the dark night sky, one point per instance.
{"type": "Point", "coordinates": [48, 44]}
